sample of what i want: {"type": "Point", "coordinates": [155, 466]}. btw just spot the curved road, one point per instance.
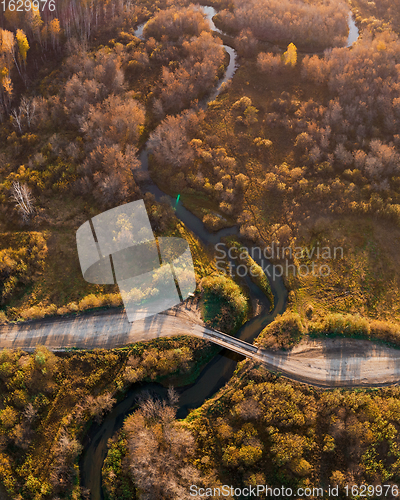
{"type": "Point", "coordinates": [324, 363]}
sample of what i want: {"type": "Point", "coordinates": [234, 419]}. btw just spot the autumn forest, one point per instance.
{"type": "Point", "coordinates": [247, 123]}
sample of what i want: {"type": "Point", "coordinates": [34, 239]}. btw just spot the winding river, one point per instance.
{"type": "Point", "coordinates": [221, 368]}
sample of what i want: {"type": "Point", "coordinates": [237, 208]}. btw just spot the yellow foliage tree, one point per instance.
{"type": "Point", "coordinates": [3, 74]}
{"type": "Point", "coordinates": [7, 43]}
{"type": "Point", "coordinates": [381, 45]}
{"type": "Point", "coordinates": [290, 56]}
{"type": "Point", "coordinates": [23, 45]}
{"type": "Point", "coordinates": [6, 88]}
{"type": "Point", "coordinates": [55, 30]}
{"type": "Point", "coordinates": [7, 85]}
{"type": "Point", "coordinates": [6, 472]}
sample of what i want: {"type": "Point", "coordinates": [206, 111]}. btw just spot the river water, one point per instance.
{"type": "Point", "coordinates": [353, 31]}
{"type": "Point", "coordinates": [221, 368]}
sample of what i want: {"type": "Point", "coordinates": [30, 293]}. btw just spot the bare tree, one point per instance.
{"type": "Point", "coordinates": [170, 140]}
{"type": "Point", "coordinates": [24, 200]}
{"type": "Point", "coordinates": [65, 450]}
{"type": "Point", "coordinates": [30, 413]}
{"type": "Point", "coordinates": [160, 450]}
{"type": "Point", "coordinates": [25, 115]}
{"type": "Point", "coordinates": [17, 116]}
{"type": "Point", "coordinates": [100, 405]}
{"type": "Point", "coordinates": [291, 21]}
{"type": "Point", "coordinates": [28, 107]}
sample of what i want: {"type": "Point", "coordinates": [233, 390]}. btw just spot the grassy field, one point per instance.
{"type": "Point", "coordinates": [365, 281]}
{"type": "Point", "coordinates": [58, 282]}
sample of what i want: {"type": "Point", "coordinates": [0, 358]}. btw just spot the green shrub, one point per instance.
{"type": "Point", "coordinates": [346, 324]}
{"type": "Point", "coordinates": [349, 325]}
{"type": "Point", "coordinates": [223, 304]}
{"type": "Point", "coordinates": [286, 331]}
{"type": "Point", "coordinates": [255, 272]}
{"type": "Point", "coordinates": [259, 278]}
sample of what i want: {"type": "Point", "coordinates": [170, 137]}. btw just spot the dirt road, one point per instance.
{"type": "Point", "coordinates": [338, 363]}
{"type": "Point", "coordinates": [325, 363]}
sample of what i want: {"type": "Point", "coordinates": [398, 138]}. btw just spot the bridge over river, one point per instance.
{"type": "Point", "coordinates": [324, 363]}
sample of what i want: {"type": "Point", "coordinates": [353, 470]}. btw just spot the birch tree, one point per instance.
{"type": "Point", "coordinates": [22, 196]}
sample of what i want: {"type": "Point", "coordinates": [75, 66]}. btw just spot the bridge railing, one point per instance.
{"type": "Point", "coordinates": [231, 340]}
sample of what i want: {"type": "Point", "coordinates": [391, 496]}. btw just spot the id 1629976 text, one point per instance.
{"type": "Point", "coordinates": [27, 5]}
